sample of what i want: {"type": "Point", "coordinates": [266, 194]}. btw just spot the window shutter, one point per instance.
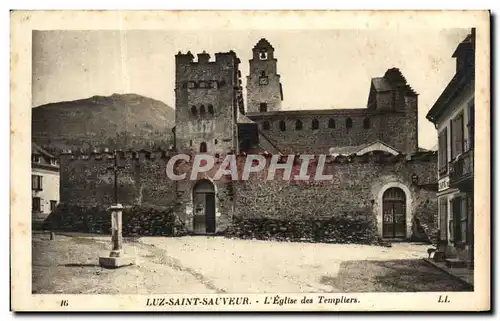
{"type": "Point", "coordinates": [463, 209]}
{"type": "Point", "coordinates": [451, 229]}
{"type": "Point", "coordinates": [459, 136]}
{"type": "Point", "coordinates": [452, 139]}
{"type": "Point", "coordinates": [463, 220]}
{"type": "Point", "coordinates": [470, 126]}
{"type": "Point", "coordinates": [41, 202]}
{"type": "Point", "coordinates": [461, 124]}
{"type": "Point", "coordinates": [440, 149]}
{"type": "Point", "coordinates": [456, 226]}
{"type": "Point", "coordinates": [455, 138]}
{"type": "Point", "coordinates": [470, 219]}
{"type": "Point", "coordinates": [443, 217]}
{"type": "Point", "coordinates": [443, 152]}
{"type": "Point", "coordinates": [445, 148]}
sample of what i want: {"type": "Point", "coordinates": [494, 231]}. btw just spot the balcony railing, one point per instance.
{"type": "Point", "coordinates": [462, 168]}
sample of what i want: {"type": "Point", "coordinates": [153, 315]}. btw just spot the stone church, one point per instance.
{"type": "Point", "coordinates": [383, 184]}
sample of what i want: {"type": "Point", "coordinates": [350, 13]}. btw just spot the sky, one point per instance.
{"type": "Point", "coordinates": [320, 69]}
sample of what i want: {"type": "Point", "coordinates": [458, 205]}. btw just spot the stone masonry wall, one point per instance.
{"type": "Point", "coordinates": [87, 181]}
{"type": "Point", "coordinates": [389, 127]}
{"type": "Point", "coordinates": [87, 190]}
{"type": "Point", "coordinates": [344, 209]}
{"type": "Point", "coordinates": [351, 195]}
{"type": "Point", "coordinates": [205, 83]}
{"type": "Point", "coordinates": [258, 93]}
{"type": "Point", "coordinates": [136, 220]}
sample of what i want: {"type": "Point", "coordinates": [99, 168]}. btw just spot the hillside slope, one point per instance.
{"type": "Point", "coordinates": [117, 121]}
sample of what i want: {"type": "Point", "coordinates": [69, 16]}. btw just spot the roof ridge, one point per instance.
{"type": "Point", "coordinates": [35, 146]}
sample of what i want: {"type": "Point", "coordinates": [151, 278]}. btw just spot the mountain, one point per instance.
{"type": "Point", "coordinates": [117, 121]}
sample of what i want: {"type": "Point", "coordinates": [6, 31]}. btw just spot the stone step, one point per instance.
{"type": "Point", "coordinates": [456, 263]}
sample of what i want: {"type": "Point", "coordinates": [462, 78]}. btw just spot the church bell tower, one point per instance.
{"type": "Point", "coordinates": [264, 91]}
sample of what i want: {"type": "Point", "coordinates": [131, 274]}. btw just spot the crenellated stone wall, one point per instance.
{"type": "Point", "coordinates": [391, 127]}
{"type": "Point", "coordinates": [88, 180]}
{"type": "Point", "coordinates": [352, 196]}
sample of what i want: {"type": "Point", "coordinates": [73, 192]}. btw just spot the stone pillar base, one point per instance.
{"type": "Point", "coordinates": [113, 262]}
{"type": "Point", "coordinates": [115, 258]}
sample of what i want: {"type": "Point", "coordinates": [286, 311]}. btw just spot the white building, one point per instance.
{"type": "Point", "coordinates": [453, 115]}
{"type": "Point", "coordinates": [44, 183]}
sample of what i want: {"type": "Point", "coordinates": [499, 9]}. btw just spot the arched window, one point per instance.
{"type": "Point", "coordinates": [282, 125]}
{"type": "Point", "coordinates": [194, 111]}
{"type": "Point", "coordinates": [191, 143]}
{"type": "Point", "coordinates": [215, 141]}
{"type": "Point", "coordinates": [211, 109]}
{"type": "Point", "coordinates": [366, 123]}
{"type": "Point", "coordinates": [348, 123]}
{"type": "Point", "coordinates": [203, 147]}
{"type": "Point", "coordinates": [266, 125]}
{"type": "Point", "coordinates": [202, 110]}
{"type": "Point", "coordinates": [263, 74]}
{"type": "Point", "coordinates": [298, 124]}
{"type": "Point", "coordinates": [315, 124]}
{"type": "Point", "coordinates": [331, 123]}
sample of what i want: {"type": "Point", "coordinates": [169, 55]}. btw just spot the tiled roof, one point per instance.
{"type": "Point", "coordinates": [37, 150]}
{"type": "Point", "coordinates": [346, 150]}
{"type": "Point", "coordinates": [242, 119]}
{"type": "Point", "coordinates": [393, 78]}
{"type": "Point", "coordinates": [452, 89]}
{"type": "Point", "coordinates": [465, 44]}
{"type": "Point", "coordinates": [381, 84]}
{"type": "Point", "coordinates": [267, 145]}
{"type": "Point", "coordinates": [363, 148]}
{"type": "Point", "coordinates": [459, 81]}
{"type": "Point", "coordinates": [263, 43]}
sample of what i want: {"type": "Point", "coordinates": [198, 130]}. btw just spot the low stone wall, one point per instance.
{"type": "Point", "coordinates": [136, 220]}
{"type": "Point", "coordinates": [346, 228]}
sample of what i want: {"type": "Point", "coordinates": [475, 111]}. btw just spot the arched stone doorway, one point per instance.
{"type": "Point", "coordinates": [394, 213]}
{"type": "Point", "coordinates": [204, 207]}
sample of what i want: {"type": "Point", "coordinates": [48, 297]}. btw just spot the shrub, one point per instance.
{"type": "Point", "coordinates": [355, 227]}
{"type": "Point", "coordinates": [136, 220]}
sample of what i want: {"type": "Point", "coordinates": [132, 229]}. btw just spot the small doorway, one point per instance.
{"type": "Point", "coordinates": [204, 207]}
{"type": "Point", "coordinates": [394, 213]}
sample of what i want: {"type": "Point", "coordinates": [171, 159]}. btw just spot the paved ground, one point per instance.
{"type": "Point", "coordinates": [218, 265]}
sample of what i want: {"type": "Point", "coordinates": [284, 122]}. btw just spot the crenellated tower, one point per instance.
{"type": "Point", "coordinates": [207, 98]}
{"type": "Point", "coordinates": [391, 94]}
{"type": "Point", "coordinates": [264, 90]}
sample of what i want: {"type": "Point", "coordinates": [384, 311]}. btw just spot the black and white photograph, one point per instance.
{"type": "Point", "coordinates": [255, 169]}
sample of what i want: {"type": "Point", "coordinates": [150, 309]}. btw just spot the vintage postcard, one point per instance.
{"type": "Point", "coordinates": [250, 161]}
